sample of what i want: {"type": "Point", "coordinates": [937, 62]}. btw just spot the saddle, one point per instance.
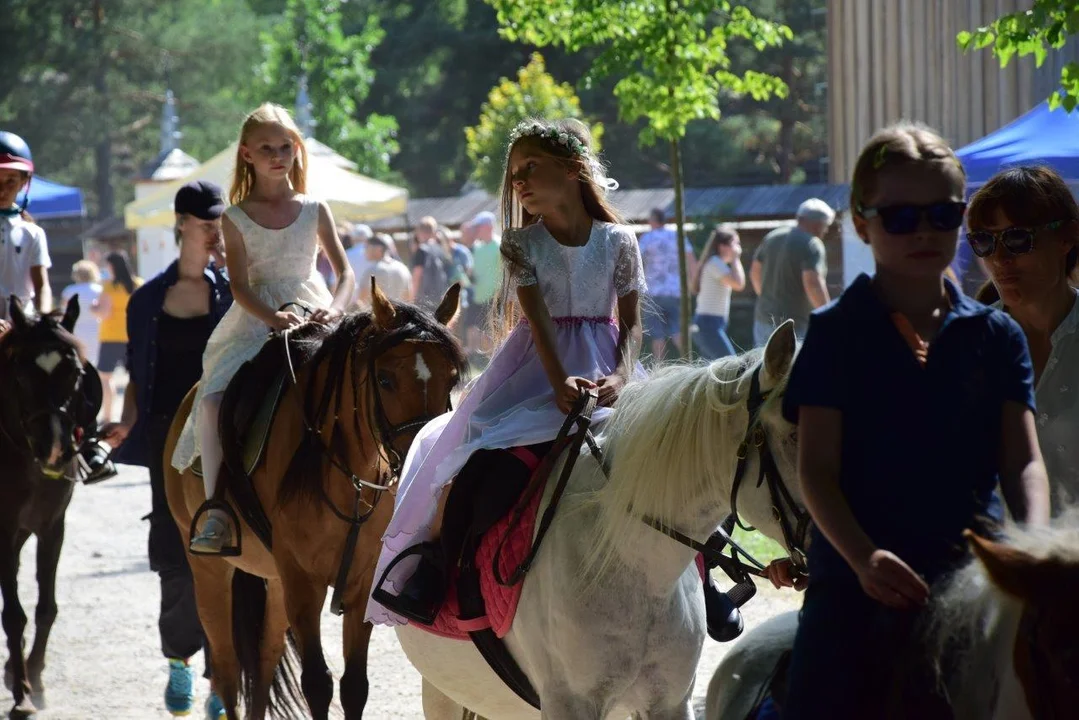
{"type": "Point", "coordinates": [248, 408]}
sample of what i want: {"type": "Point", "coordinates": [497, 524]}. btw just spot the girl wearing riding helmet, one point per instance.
{"type": "Point", "coordinates": [24, 252]}
{"type": "Point", "coordinates": [912, 402]}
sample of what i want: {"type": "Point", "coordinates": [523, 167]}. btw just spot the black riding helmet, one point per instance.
{"type": "Point", "coordinates": [15, 155]}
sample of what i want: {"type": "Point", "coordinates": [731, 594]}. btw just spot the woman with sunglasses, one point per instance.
{"type": "Point", "coordinates": [1024, 223]}
{"type": "Point", "coordinates": [912, 403]}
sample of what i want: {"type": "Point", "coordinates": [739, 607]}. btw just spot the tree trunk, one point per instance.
{"type": "Point", "coordinates": [103, 149]}
{"type": "Point", "coordinates": [680, 220]}
{"type": "Point", "coordinates": [786, 126]}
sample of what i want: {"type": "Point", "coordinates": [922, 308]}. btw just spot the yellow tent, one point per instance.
{"type": "Point", "coordinates": [330, 177]}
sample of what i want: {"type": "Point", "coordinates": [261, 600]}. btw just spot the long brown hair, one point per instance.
{"type": "Point", "coordinates": [504, 313]}
{"type": "Point", "coordinates": [243, 176]}
{"type": "Point", "coordinates": [721, 236]}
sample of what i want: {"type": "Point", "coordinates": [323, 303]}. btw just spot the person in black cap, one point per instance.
{"type": "Point", "coordinates": [169, 320]}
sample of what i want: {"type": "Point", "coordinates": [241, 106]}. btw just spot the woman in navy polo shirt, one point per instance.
{"type": "Point", "coordinates": [169, 320]}
{"type": "Point", "coordinates": [913, 402]}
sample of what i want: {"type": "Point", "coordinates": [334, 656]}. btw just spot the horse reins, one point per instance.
{"type": "Point", "coordinates": [385, 434]}
{"type": "Point", "coordinates": [783, 503]}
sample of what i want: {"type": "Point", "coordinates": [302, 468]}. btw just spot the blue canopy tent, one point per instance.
{"type": "Point", "coordinates": [52, 200]}
{"type": "Point", "coordinates": [1040, 137]}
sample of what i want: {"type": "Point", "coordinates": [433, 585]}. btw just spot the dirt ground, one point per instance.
{"type": "Point", "coordinates": [104, 659]}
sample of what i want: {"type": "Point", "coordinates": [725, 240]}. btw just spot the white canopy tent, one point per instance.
{"type": "Point", "coordinates": [330, 177]}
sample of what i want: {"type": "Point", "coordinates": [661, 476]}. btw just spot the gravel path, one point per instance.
{"type": "Point", "coordinates": [104, 660]}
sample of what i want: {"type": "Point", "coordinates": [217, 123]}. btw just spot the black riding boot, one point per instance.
{"type": "Point", "coordinates": [425, 590]}
{"type": "Point", "coordinates": [723, 616]}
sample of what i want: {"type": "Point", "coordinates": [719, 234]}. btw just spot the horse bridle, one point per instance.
{"type": "Point", "coordinates": [793, 521]}
{"type": "Point", "coordinates": [385, 434]}
{"type": "Point", "coordinates": [49, 408]}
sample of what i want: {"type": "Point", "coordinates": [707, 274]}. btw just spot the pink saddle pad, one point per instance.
{"type": "Point", "coordinates": [501, 601]}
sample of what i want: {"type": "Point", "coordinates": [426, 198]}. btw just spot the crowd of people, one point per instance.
{"type": "Point", "coordinates": [904, 386]}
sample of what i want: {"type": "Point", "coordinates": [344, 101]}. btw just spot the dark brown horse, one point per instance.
{"type": "Point", "coordinates": [334, 449]}
{"type": "Point", "coordinates": [43, 420]}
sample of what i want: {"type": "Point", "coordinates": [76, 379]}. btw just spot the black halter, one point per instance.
{"type": "Point", "coordinates": [385, 434]}
{"type": "Point", "coordinates": [44, 407]}
{"type": "Point", "coordinates": [793, 521]}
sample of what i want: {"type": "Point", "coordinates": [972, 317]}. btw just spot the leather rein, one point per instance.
{"type": "Point", "coordinates": [385, 433]}
{"type": "Point", "coordinates": [794, 530]}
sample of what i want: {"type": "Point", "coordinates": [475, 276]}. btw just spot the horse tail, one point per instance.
{"type": "Point", "coordinates": [248, 621]}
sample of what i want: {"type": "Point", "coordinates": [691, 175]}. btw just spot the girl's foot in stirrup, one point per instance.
{"type": "Point", "coordinates": [214, 535]}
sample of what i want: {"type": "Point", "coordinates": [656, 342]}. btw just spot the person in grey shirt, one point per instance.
{"type": "Point", "coordinates": [789, 271]}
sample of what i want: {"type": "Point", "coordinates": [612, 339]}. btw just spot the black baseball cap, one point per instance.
{"type": "Point", "coordinates": [200, 198]}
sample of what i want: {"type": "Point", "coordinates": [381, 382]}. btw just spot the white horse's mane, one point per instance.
{"type": "Point", "coordinates": [673, 442]}
{"type": "Point", "coordinates": [976, 621]}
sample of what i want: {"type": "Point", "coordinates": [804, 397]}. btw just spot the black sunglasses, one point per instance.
{"type": "Point", "coordinates": [1017, 240]}
{"type": "Point", "coordinates": [905, 219]}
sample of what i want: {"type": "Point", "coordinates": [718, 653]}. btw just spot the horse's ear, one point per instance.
{"type": "Point", "coordinates": [447, 309]}
{"type": "Point", "coordinates": [15, 312]}
{"type": "Point", "coordinates": [381, 307]}
{"type": "Point", "coordinates": [1016, 572]}
{"type": "Point", "coordinates": [779, 351]}
{"type": "Point", "coordinates": [71, 314]}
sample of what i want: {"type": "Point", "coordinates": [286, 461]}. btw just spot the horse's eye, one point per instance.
{"type": "Point", "coordinates": [385, 380]}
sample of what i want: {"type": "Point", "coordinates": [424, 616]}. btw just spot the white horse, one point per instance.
{"type": "Point", "coordinates": [611, 617]}
{"type": "Point", "coordinates": [1008, 616]}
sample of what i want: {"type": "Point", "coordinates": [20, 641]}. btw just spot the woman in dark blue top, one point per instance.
{"type": "Point", "coordinates": [913, 402]}
{"type": "Point", "coordinates": [169, 320]}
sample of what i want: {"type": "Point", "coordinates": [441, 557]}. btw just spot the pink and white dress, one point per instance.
{"type": "Point", "coordinates": [511, 403]}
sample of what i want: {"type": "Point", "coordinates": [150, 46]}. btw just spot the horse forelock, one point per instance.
{"type": "Point", "coordinates": [673, 444]}
{"type": "Point", "coordinates": [344, 348]}
{"type": "Point", "coordinates": [974, 623]}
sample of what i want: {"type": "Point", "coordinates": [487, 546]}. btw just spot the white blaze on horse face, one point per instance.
{"type": "Point", "coordinates": [48, 361]}
{"type": "Point", "coordinates": [423, 373]}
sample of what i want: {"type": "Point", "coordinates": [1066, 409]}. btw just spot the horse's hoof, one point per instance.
{"type": "Point", "coordinates": [23, 711]}
{"type": "Point", "coordinates": [38, 698]}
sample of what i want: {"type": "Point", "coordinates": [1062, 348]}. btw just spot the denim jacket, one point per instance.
{"type": "Point", "coordinates": [143, 310]}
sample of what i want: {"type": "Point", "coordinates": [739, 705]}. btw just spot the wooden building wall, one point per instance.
{"type": "Point", "coordinates": [891, 60]}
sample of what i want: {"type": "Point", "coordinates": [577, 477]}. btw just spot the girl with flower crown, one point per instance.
{"type": "Point", "coordinates": [566, 318]}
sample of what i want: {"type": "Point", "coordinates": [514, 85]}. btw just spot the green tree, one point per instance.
{"type": "Point", "coordinates": [1047, 24]}
{"type": "Point", "coordinates": [87, 92]}
{"type": "Point", "coordinates": [671, 60]}
{"type": "Point", "coordinates": [310, 40]}
{"type": "Point", "coordinates": [534, 94]}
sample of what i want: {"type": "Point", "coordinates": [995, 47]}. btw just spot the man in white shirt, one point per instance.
{"type": "Point", "coordinates": [24, 252]}
{"type": "Point", "coordinates": [392, 275]}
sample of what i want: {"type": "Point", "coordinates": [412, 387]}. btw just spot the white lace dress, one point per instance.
{"type": "Point", "coordinates": [512, 402]}
{"type": "Point", "coordinates": [280, 269]}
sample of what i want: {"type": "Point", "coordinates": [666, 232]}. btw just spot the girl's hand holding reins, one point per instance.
{"type": "Point", "coordinates": [782, 574]}
{"type": "Point", "coordinates": [324, 316]}
{"type": "Point", "coordinates": [889, 580]}
{"type": "Point", "coordinates": [610, 387]}
{"type": "Point", "coordinates": [283, 320]}
{"type": "Point", "coordinates": [567, 393]}
{"type": "Point", "coordinates": [4, 326]}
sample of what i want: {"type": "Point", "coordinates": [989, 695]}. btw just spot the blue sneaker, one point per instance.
{"type": "Point", "coordinates": [180, 692]}
{"type": "Point", "coordinates": [214, 707]}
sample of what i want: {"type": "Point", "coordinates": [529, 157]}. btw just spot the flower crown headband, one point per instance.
{"type": "Point", "coordinates": [567, 140]}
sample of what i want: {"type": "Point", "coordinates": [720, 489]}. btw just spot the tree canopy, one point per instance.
{"type": "Point", "coordinates": [1045, 26]}
{"type": "Point", "coordinates": [534, 94]}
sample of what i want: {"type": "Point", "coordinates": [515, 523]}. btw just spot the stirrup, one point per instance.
{"type": "Point", "coordinates": [417, 609]}
{"type": "Point", "coordinates": [227, 550]}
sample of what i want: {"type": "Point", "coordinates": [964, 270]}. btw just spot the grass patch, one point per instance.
{"type": "Point", "coordinates": [759, 546]}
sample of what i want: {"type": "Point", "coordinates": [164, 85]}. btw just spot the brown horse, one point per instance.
{"type": "Point", "coordinates": [335, 447]}
{"type": "Point", "coordinates": [44, 386]}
